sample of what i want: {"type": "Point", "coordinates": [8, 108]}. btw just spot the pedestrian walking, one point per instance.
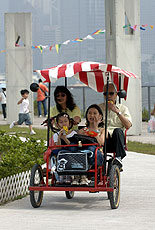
{"type": "Point", "coordinates": [24, 112]}
{"type": "Point", "coordinates": [3, 102]}
{"type": "Point", "coordinates": [42, 98]}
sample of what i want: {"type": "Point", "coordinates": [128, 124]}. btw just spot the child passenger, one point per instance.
{"type": "Point", "coordinates": [63, 137]}
{"type": "Point", "coordinates": [94, 124]}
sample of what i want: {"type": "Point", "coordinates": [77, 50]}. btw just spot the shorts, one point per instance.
{"type": "Point", "coordinates": [24, 117]}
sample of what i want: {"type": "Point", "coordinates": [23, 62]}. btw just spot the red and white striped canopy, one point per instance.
{"type": "Point", "coordinates": [92, 74]}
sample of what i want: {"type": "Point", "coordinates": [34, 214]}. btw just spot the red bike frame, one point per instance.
{"type": "Point", "coordinates": [102, 185]}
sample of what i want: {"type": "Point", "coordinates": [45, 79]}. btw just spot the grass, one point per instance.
{"type": "Point", "coordinates": [42, 134]}
{"type": "Point", "coordinates": [141, 148]}
{"type": "Point", "coordinates": [25, 132]}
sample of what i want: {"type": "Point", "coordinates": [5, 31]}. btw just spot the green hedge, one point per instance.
{"type": "Point", "coordinates": [17, 156]}
{"type": "Point", "coordinates": [145, 115]}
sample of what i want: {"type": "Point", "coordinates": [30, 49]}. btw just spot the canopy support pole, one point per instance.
{"type": "Point", "coordinates": [66, 82]}
{"type": "Point", "coordinates": [119, 86]}
{"type": "Point", "coordinates": [106, 115]}
{"type": "Point", "coordinates": [49, 101]}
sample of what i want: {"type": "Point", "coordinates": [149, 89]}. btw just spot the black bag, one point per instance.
{"type": "Point", "coordinates": [72, 162]}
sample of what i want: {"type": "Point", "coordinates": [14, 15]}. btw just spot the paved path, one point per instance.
{"type": "Point", "coordinates": [145, 137]}
{"type": "Point", "coordinates": [92, 211]}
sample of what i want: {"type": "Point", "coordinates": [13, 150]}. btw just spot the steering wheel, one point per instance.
{"type": "Point", "coordinates": [84, 139]}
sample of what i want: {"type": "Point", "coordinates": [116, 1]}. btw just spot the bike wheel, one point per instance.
{"type": "Point", "coordinates": [114, 182]}
{"type": "Point", "coordinates": [36, 179]}
{"type": "Point", "coordinates": [69, 194]}
{"type": "Point", "coordinates": [108, 171]}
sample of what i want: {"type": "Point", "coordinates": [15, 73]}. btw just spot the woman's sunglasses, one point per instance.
{"type": "Point", "coordinates": [60, 95]}
{"type": "Point", "coordinates": [110, 93]}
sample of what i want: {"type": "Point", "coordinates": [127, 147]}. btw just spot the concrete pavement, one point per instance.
{"type": "Point", "coordinates": [145, 137]}
{"type": "Point", "coordinates": [92, 211]}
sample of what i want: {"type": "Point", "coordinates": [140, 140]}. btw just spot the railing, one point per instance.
{"type": "Point", "coordinates": [148, 97]}
{"type": "Point", "coordinates": [13, 187]}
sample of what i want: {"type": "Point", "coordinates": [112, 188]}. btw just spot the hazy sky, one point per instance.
{"type": "Point", "coordinates": [73, 22]}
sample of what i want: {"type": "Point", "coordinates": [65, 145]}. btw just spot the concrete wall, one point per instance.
{"type": "Point", "coordinates": [123, 50]}
{"type": "Point", "coordinates": [18, 60]}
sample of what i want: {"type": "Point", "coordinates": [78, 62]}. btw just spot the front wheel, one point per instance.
{"type": "Point", "coordinates": [69, 194]}
{"type": "Point", "coordinates": [114, 182]}
{"type": "Point", "coordinates": [36, 179]}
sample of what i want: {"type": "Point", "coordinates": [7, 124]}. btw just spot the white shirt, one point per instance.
{"type": "Point", "coordinates": [3, 97]}
{"type": "Point", "coordinates": [113, 120]}
{"type": "Point", "coordinates": [24, 106]}
{"type": "Point", "coordinates": [55, 136]}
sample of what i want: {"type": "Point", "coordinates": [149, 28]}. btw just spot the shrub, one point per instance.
{"type": "Point", "coordinates": [145, 115]}
{"type": "Point", "coordinates": [17, 156]}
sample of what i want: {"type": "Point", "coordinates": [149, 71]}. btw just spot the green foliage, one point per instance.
{"type": "Point", "coordinates": [17, 156]}
{"type": "Point", "coordinates": [145, 115]}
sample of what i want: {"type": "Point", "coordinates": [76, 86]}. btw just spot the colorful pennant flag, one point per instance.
{"type": "Point", "coordinates": [41, 48]}
{"type": "Point", "coordinates": [50, 48]}
{"type": "Point", "coordinates": [133, 27]}
{"type": "Point", "coordinates": [142, 28]}
{"type": "Point", "coordinates": [97, 32]}
{"type": "Point", "coordinates": [57, 46]}
{"type": "Point", "coordinates": [66, 42]}
{"type": "Point", "coordinates": [88, 37]}
{"type": "Point", "coordinates": [145, 25]}
{"type": "Point", "coordinates": [125, 26]}
{"type": "Point", "coordinates": [102, 32]}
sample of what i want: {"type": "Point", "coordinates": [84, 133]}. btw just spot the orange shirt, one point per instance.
{"type": "Point", "coordinates": [40, 93]}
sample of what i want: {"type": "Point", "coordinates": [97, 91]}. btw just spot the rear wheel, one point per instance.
{"type": "Point", "coordinates": [36, 179]}
{"type": "Point", "coordinates": [114, 182]}
{"type": "Point", "coordinates": [69, 194]}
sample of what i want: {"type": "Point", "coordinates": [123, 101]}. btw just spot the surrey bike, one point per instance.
{"type": "Point", "coordinates": [105, 178]}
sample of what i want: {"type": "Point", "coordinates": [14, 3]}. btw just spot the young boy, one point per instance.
{"type": "Point", "coordinates": [24, 111]}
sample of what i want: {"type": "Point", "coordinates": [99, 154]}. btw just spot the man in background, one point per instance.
{"type": "Point", "coordinates": [41, 98]}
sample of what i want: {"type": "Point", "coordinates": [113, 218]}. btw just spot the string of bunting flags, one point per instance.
{"type": "Point", "coordinates": [89, 36]}
{"type": "Point", "coordinates": [134, 27]}
{"type": "Point", "coordinates": [57, 46]}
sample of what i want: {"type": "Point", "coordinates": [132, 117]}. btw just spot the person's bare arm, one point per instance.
{"type": "Point", "coordinates": [65, 139]}
{"type": "Point", "coordinates": [125, 122]}
{"type": "Point", "coordinates": [77, 120]}
{"type": "Point", "coordinates": [101, 137]}
{"type": "Point", "coordinates": [81, 131]}
{"type": "Point", "coordinates": [62, 137]}
{"type": "Point", "coordinates": [20, 101]}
